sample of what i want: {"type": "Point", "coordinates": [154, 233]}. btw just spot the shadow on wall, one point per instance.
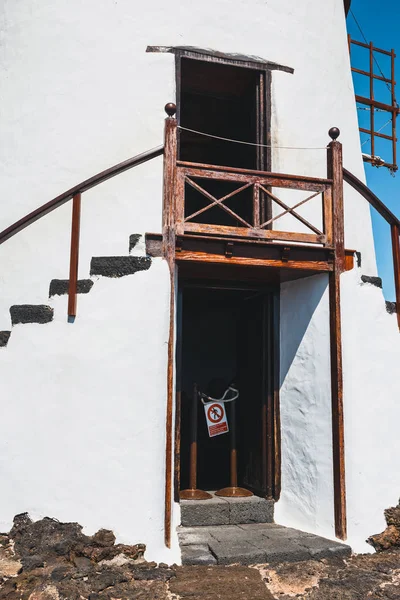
{"type": "Point", "coordinates": [299, 301]}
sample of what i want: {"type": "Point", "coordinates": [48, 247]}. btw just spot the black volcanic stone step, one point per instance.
{"type": "Point", "coordinates": [119, 266]}
{"type": "Point", "coordinates": [4, 337]}
{"type": "Point", "coordinates": [133, 240]}
{"type": "Point", "coordinates": [376, 281]}
{"type": "Point", "coordinates": [59, 287]}
{"type": "Point", "coordinates": [226, 511]}
{"type": "Point", "coordinates": [391, 307]}
{"type": "Point", "coordinates": [31, 313]}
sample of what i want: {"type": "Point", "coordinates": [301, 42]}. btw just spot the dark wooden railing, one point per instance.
{"type": "Point", "coordinates": [75, 194]}
{"type": "Point", "coordinates": [393, 221]}
{"type": "Point", "coordinates": [256, 183]}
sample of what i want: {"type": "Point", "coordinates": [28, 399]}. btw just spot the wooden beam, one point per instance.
{"type": "Point", "coordinates": [265, 234]}
{"type": "Point", "coordinates": [205, 257]}
{"type": "Point", "coordinates": [169, 254]}
{"type": "Point", "coordinates": [335, 171]}
{"type": "Point", "coordinates": [337, 406]}
{"type": "Point", "coordinates": [395, 231]}
{"type": "Point", "coordinates": [259, 175]}
{"type": "Point", "coordinates": [74, 255]}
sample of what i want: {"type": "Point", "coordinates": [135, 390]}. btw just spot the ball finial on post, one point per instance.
{"type": "Point", "coordinates": [170, 109]}
{"type": "Point", "coordinates": [334, 133]}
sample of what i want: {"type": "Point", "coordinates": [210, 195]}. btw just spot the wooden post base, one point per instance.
{"type": "Point", "coordinates": [191, 494]}
{"type": "Point", "coordinates": [234, 492]}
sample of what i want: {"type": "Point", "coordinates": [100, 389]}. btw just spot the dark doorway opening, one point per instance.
{"type": "Point", "coordinates": [227, 102]}
{"type": "Point", "coordinates": [226, 335]}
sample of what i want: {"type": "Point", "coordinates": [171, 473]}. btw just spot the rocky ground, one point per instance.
{"type": "Point", "coordinates": [49, 560]}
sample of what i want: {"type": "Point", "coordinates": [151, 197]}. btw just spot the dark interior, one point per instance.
{"type": "Point", "coordinates": [220, 100]}
{"type": "Point", "coordinates": [224, 335]}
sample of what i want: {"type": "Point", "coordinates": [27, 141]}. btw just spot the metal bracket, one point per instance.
{"type": "Point", "coordinates": [229, 249]}
{"type": "Point", "coordinates": [285, 254]}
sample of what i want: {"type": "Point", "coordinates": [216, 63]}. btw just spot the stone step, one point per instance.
{"type": "Point", "coordinates": [59, 287]}
{"type": "Point", "coordinates": [4, 337]}
{"type": "Point", "coordinates": [249, 544]}
{"type": "Point", "coordinates": [31, 313]}
{"type": "Point", "coordinates": [226, 511]}
{"type": "Point", "coordinates": [119, 266]}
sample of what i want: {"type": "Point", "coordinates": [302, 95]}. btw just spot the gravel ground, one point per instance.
{"type": "Point", "coordinates": [48, 560]}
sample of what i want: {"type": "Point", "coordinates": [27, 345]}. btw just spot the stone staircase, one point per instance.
{"type": "Point", "coordinates": [105, 266]}
{"type": "Point", "coordinates": [228, 531]}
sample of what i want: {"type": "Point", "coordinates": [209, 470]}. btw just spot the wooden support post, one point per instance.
{"type": "Point", "coordinates": [335, 172]}
{"type": "Point", "coordinates": [170, 150]}
{"type": "Point", "coordinates": [74, 255]}
{"type": "Point", "coordinates": [396, 265]}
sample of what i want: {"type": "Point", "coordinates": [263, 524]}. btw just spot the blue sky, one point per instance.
{"type": "Point", "coordinates": [380, 23]}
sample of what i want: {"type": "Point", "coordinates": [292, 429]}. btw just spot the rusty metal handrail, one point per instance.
{"type": "Point", "coordinates": [74, 194]}
{"type": "Point", "coordinates": [393, 221]}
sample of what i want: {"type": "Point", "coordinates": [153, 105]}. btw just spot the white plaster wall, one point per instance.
{"type": "Point", "coordinates": [79, 94]}
{"type": "Point", "coordinates": [371, 354]}
{"type": "Point", "coordinates": [84, 408]}
{"type": "Point", "coordinates": [305, 396]}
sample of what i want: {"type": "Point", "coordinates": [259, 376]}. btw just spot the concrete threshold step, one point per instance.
{"type": "Point", "coordinates": [249, 544]}
{"type": "Point", "coordinates": [226, 511]}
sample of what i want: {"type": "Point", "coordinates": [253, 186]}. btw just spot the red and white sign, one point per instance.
{"type": "Point", "coordinates": [217, 422]}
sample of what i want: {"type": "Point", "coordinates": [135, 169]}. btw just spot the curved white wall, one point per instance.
{"type": "Point", "coordinates": [79, 93]}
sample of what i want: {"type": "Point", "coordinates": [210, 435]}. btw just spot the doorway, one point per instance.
{"type": "Point", "coordinates": [226, 336]}
{"type": "Point", "coordinates": [219, 102]}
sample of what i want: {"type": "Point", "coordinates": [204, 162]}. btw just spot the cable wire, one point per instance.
{"type": "Point", "coordinates": [217, 137]}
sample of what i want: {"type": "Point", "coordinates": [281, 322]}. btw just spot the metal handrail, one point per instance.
{"type": "Point", "coordinates": [74, 194]}
{"type": "Point", "coordinates": [393, 221]}
{"type": "Point", "coordinates": [369, 195]}
{"type": "Point", "coordinates": [78, 189]}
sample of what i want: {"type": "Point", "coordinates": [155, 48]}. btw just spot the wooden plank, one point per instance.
{"type": "Point", "coordinates": [180, 201]}
{"type": "Point", "coordinates": [335, 171]}
{"type": "Point", "coordinates": [188, 256]}
{"type": "Point", "coordinates": [395, 231]}
{"type": "Point", "coordinates": [170, 146]}
{"type": "Point", "coordinates": [197, 168]}
{"type": "Point", "coordinates": [339, 482]}
{"type": "Point", "coordinates": [371, 95]}
{"type": "Point", "coordinates": [376, 134]}
{"type": "Point", "coordinates": [178, 405]}
{"type": "Point", "coordinates": [367, 46]}
{"type": "Point", "coordinates": [368, 74]}
{"type": "Point", "coordinates": [381, 105]}
{"type": "Point", "coordinates": [256, 206]}
{"type": "Point", "coordinates": [74, 255]}
{"type": "Point", "coordinates": [276, 388]}
{"type": "Point", "coordinates": [394, 103]}
{"type": "Point", "coordinates": [249, 232]}
{"type": "Point", "coordinates": [268, 443]}
{"type": "Point", "coordinates": [328, 216]}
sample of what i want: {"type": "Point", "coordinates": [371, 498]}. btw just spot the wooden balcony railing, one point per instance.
{"type": "Point", "coordinates": [249, 188]}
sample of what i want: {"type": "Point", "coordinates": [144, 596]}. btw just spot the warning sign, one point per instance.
{"type": "Point", "coordinates": [216, 418]}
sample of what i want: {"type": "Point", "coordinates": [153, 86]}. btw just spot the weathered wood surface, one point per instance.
{"type": "Point", "coordinates": [74, 255]}
{"type": "Point", "coordinates": [170, 150]}
{"type": "Point", "coordinates": [184, 256]}
{"type": "Point", "coordinates": [190, 166]}
{"type": "Point", "coordinates": [395, 231]}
